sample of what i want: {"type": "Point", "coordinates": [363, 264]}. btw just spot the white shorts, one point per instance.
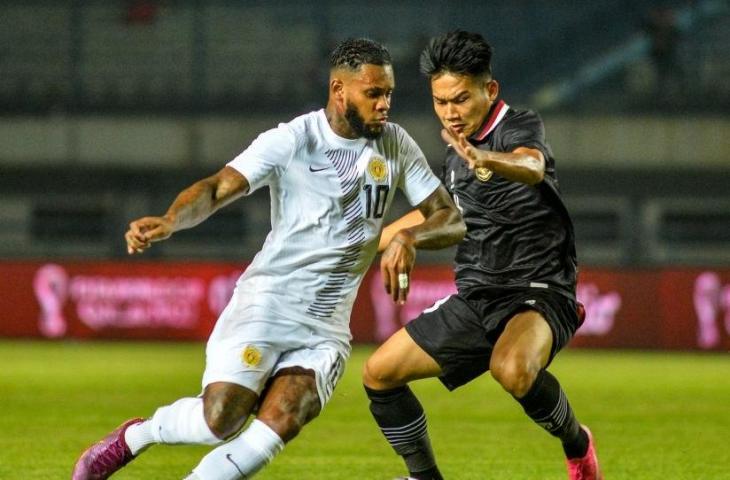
{"type": "Point", "coordinates": [248, 349]}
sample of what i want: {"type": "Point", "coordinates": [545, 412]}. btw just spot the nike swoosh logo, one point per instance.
{"type": "Point", "coordinates": [230, 459]}
{"type": "Point", "coordinates": [317, 169]}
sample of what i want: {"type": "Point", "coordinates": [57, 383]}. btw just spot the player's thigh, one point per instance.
{"type": "Point", "coordinates": [324, 360]}
{"type": "Point", "coordinates": [245, 346]}
{"type": "Point", "coordinates": [302, 383]}
{"type": "Point", "coordinates": [525, 343]}
{"type": "Point", "coordinates": [454, 335]}
{"type": "Point", "coordinates": [241, 361]}
{"type": "Point", "coordinates": [534, 334]}
{"type": "Point", "coordinates": [290, 401]}
{"type": "Point", "coordinates": [398, 361]}
{"type": "Point", "coordinates": [236, 371]}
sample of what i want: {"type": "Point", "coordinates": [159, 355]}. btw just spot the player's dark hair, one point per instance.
{"type": "Point", "coordinates": [458, 52]}
{"type": "Point", "coordinates": [355, 52]}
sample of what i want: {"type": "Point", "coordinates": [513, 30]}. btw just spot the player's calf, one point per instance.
{"type": "Point", "coordinates": [402, 420]}
{"type": "Point", "coordinates": [287, 404]}
{"type": "Point", "coordinates": [241, 457]}
{"type": "Point", "coordinates": [547, 405]}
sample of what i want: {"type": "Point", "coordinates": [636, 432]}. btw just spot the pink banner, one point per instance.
{"type": "Point", "coordinates": [671, 308]}
{"type": "Point", "coordinates": [114, 299]}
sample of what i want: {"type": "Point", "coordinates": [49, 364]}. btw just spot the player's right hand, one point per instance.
{"type": "Point", "coordinates": [398, 260]}
{"type": "Point", "coordinates": [460, 144]}
{"type": "Point", "coordinates": [144, 231]}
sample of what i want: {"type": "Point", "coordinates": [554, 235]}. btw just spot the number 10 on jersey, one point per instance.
{"type": "Point", "coordinates": [375, 201]}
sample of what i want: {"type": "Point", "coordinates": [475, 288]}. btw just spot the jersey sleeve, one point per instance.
{"type": "Point", "coordinates": [525, 130]}
{"type": "Point", "coordinates": [266, 158]}
{"type": "Point", "coordinates": [418, 180]}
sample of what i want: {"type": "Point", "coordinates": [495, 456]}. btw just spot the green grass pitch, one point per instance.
{"type": "Point", "coordinates": [663, 416]}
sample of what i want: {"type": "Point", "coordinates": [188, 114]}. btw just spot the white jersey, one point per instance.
{"type": "Point", "coordinates": [328, 198]}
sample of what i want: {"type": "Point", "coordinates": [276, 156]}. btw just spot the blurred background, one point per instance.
{"type": "Point", "coordinates": [109, 108]}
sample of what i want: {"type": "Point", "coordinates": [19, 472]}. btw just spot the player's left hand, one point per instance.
{"type": "Point", "coordinates": [396, 265]}
{"type": "Point", "coordinates": [463, 148]}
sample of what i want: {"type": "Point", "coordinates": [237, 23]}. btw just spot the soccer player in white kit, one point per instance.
{"type": "Point", "coordinates": [281, 343]}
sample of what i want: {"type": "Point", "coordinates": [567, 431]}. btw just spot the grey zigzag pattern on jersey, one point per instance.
{"type": "Point", "coordinates": [327, 299]}
{"type": "Point", "coordinates": [338, 368]}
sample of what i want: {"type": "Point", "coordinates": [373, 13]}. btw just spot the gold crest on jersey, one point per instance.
{"type": "Point", "coordinates": [483, 174]}
{"type": "Point", "coordinates": [251, 356]}
{"type": "Point", "coordinates": [378, 169]}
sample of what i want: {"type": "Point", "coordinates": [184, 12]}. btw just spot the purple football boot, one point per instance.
{"type": "Point", "coordinates": [105, 457]}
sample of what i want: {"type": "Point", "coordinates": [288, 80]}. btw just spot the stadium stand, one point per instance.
{"type": "Point", "coordinates": [102, 119]}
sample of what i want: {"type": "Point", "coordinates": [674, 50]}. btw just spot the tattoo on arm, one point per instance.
{"type": "Point", "coordinates": [204, 197]}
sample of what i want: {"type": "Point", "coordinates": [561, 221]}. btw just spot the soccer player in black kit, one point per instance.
{"type": "Point", "coordinates": [515, 269]}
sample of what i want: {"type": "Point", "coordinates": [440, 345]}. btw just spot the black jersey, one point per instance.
{"type": "Point", "coordinates": [517, 235]}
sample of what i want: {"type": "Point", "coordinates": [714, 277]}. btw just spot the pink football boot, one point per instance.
{"type": "Point", "coordinates": [102, 459]}
{"type": "Point", "coordinates": [586, 467]}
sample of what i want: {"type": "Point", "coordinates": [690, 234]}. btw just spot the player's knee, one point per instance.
{"type": "Point", "coordinates": [223, 422]}
{"type": "Point", "coordinates": [379, 375]}
{"type": "Point", "coordinates": [515, 373]}
{"type": "Point", "coordinates": [370, 372]}
{"type": "Point", "coordinates": [226, 409]}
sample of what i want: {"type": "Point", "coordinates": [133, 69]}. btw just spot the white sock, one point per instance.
{"type": "Point", "coordinates": [241, 457]}
{"type": "Point", "coordinates": [181, 422]}
{"type": "Point", "coordinates": [139, 436]}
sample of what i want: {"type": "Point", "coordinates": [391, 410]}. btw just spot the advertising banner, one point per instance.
{"type": "Point", "coordinates": [668, 308]}
{"type": "Point", "coordinates": [121, 300]}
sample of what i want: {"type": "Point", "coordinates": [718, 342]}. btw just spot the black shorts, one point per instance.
{"type": "Point", "coordinates": [461, 331]}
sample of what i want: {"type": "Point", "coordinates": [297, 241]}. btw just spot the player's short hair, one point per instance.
{"type": "Point", "coordinates": [458, 52]}
{"type": "Point", "coordinates": [355, 52]}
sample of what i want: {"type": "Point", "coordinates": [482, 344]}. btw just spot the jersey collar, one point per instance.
{"type": "Point", "coordinates": [495, 115]}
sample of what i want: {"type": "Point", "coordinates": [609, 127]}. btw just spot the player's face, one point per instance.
{"type": "Point", "coordinates": [366, 98]}
{"type": "Point", "coordinates": [462, 102]}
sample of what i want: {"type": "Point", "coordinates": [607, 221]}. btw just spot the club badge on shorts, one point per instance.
{"type": "Point", "coordinates": [483, 174]}
{"type": "Point", "coordinates": [251, 356]}
{"type": "Point", "coordinates": [378, 169]}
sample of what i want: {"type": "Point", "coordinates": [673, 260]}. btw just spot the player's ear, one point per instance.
{"type": "Point", "coordinates": [337, 88]}
{"type": "Point", "coordinates": [492, 89]}
{"type": "Point", "coordinates": [337, 93]}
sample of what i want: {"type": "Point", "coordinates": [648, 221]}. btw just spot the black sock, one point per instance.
{"type": "Point", "coordinates": [546, 404]}
{"type": "Point", "coordinates": [402, 420]}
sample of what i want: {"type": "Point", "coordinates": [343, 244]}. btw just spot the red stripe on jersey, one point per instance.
{"type": "Point", "coordinates": [498, 113]}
